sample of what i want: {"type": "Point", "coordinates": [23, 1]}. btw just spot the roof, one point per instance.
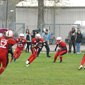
{"type": "Point", "coordinates": [51, 3]}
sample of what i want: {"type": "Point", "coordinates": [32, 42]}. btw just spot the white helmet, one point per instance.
{"type": "Point", "coordinates": [9, 33]}
{"type": "Point", "coordinates": [58, 38]}
{"type": "Point", "coordinates": [44, 29]}
{"type": "Point", "coordinates": [1, 34]}
{"type": "Point", "coordinates": [21, 34]}
{"type": "Point", "coordinates": [38, 35]}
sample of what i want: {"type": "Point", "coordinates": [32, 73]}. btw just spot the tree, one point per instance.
{"type": "Point", "coordinates": [40, 13]}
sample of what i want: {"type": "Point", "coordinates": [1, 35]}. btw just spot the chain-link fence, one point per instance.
{"type": "Point", "coordinates": [57, 30]}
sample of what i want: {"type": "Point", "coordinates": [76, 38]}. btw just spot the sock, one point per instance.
{"type": "Point", "coordinates": [83, 60]}
{"type": "Point", "coordinates": [60, 58]}
{"type": "Point", "coordinates": [11, 60]}
{"type": "Point", "coordinates": [14, 60]}
{"type": "Point", "coordinates": [32, 59]}
{"type": "Point", "coordinates": [1, 70]}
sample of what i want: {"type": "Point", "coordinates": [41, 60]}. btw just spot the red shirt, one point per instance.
{"type": "Point", "coordinates": [34, 41]}
{"type": "Point", "coordinates": [4, 44]}
{"type": "Point", "coordinates": [61, 45]}
{"type": "Point", "coordinates": [20, 43]}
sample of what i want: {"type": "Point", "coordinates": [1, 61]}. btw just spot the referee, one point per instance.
{"type": "Point", "coordinates": [46, 37]}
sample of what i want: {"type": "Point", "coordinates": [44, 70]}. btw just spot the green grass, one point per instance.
{"type": "Point", "coordinates": [43, 72]}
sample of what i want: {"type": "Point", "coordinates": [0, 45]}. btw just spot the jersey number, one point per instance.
{"type": "Point", "coordinates": [3, 43]}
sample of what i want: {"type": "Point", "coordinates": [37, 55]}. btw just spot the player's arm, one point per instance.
{"type": "Point", "coordinates": [56, 47]}
{"type": "Point", "coordinates": [25, 45]}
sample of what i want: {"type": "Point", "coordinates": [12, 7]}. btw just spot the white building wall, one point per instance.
{"type": "Point", "coordinates": [29, 16]}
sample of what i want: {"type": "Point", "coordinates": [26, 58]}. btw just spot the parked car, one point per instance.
{"type": "Point", "coordinates": [83, 38]}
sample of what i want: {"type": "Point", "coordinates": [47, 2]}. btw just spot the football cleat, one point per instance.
{"type": "Point", "coordinates": [53, 62]}
{"type": "Point", "coordinates": [14, 60]}
{"type": "Point", "coordinates": [84, 67]}
{"type": "Point", "coordinates": [27, 62]}
{"type": "Point", "coordinates": [60, 61]}
{"type": "Point", "coordinates": [80, 68]}
{"type": "Point", "coordinates": [27, 65]}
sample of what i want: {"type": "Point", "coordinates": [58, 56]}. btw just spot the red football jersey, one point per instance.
{"type": "Point", "coordinates": [61, 44]}
{"type": "Point", "coordinates": [20, 43]}
{"type": "Point", "coordinates": [34, 42]}
{"type": "Point", "coordinates": [4, 44]}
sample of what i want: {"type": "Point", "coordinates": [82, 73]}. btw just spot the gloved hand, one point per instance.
{"type": "Point", "coordinates": [59, 50]}
{"type": "Point", "coordinates": [55, 49]}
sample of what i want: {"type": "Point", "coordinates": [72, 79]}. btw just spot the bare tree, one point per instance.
{"type": "Point", "coordinates": [40, 13]}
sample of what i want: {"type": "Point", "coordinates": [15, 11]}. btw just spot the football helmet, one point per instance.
{"type": "Point", "coordinates": [9, 33]}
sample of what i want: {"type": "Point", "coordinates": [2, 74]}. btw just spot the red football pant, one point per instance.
{"type": "Point", "coordinates": [3, 61]}
{"type": "Point", "coordinates": [33, 56]}
{"type": "Point", "coordinates": [83, 60]}
{"type": "Point", "coordinates": [17, 53]}
{"type": "Point", "coordinates": [59, 53]}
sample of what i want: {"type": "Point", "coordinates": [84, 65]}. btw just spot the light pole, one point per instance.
{"type": "Point", "coordinates": [12, 11]}
{"type": "Point", "coordinates": [6, 13]}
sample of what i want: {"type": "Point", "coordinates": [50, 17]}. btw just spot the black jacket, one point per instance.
{"type": "Point", "coordinates": [79, 38]}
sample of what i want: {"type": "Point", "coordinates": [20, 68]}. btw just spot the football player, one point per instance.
{"type": "Point", "coordinates": [82, 63]}
{"type": "Point", "coordinates": [36, 43]}
{"type": "Point", "coordinates": [4, 43]}
{"type": "Point", "coordinates": [20, 46]}
{"type": "Point", "coordinates": [62, 49]}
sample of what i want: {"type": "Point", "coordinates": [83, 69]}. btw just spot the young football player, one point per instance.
{"type": "Point", "coordinates": [4, 43]}
{"type": "Point", "coordinates": [62, 49]}
{"type": "Point", "coordinates": [20, 46]}
{"type": "Point", "coordinates": [36, 43]}
{"type": "Point", "coordinates": [82, 63]}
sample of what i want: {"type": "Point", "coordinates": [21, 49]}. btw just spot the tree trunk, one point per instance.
{"type": "Point", "coordinates": [40, 13]}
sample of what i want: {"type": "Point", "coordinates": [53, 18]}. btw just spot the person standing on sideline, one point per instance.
{"type": "Point", "coordinates": [72, 36]}
{"type": "Point", "coordinates": [62, 49]}
{"type": "Point", "coordinates": [28, 38]}
{"type": "Point", "coordinates": [78, 41]}
{"type": "Point", "coordinates": [45, 37]}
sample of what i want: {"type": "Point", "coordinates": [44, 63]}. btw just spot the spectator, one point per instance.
{"type": "Point", "coordinates": [28, 38]}
{"type": "Point", "coordinates": [78, 41]}
{"type": "Point", "coordinates": [34, 33]}
{"type": "Point", "coordinates": [72, 36]}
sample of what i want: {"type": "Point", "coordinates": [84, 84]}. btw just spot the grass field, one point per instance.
{"type": "Point", "coordinates": [43, 72]}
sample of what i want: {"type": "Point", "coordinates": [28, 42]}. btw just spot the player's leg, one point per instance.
{"type": "Point", "coordinates": [62, 53]}
{"type": "Point", "coordinates": [4, 61]}
{"type": "Point", "coordinates": [7, 59]}
{"type": "Point", "coordinates": [0, 63]}
{"type": "Point", "coordinates": [70, 45]}
{"type": "Point", "coordinates": [56, 55]}
{"type": "Point", "coordinates": [31, 58]}
{"type": "Point", "coordinates": [12, 56]}
{"type": "Point", "coordinates": [82, 62]}
{"type": "Point", "coordinates": [34, 56]}
{"type": "Point", "coordinates": [18, 55]}
{"type": "Point", "coordinates": [39, 50]}
{"type": "Point", "coordinates": [73, 42]}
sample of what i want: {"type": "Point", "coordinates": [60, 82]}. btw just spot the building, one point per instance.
{"type": "Point", "coordinates": [59, 19]}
